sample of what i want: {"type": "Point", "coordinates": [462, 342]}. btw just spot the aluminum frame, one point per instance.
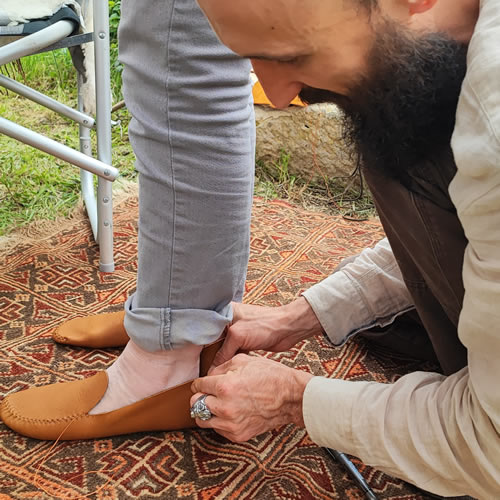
{"type": "Point", "coordinates": [100, 207]}
{"type": "Point", "coordinates": [37, 41]}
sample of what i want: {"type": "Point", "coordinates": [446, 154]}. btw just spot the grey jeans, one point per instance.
{"type": "Point", "coordinates": [193, 135]}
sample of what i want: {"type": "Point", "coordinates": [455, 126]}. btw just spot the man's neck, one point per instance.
{"type": "Point", "coordinates": [457, 18]}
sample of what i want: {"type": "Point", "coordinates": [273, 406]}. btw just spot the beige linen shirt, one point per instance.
{"type": "Point", "coordinates": [440, 433]}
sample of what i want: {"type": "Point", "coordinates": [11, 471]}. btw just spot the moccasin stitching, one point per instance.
{"type": "Point", "coordinates": [57, 337]}
{"type": "Point", "coordinates": [60, 340]}
{"type": "Point", "coordinates": [10, 410]}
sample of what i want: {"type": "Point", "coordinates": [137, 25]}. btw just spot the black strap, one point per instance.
{"type": "Point", "coordinates": [63, 14]}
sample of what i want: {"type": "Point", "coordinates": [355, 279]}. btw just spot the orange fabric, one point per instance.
{"type": "Point", "coordinates": [260, 97]}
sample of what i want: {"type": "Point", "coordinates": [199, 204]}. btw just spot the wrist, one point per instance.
{"type": "Point", "coordinates": [301, 320]}
{"type": "Point", "coordinates": [299, 381]}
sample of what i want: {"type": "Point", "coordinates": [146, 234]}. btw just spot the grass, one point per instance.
{"type": "Point", "coordinates": [34, 185]}
{"type": "Point", "coordinates": [116, 66]}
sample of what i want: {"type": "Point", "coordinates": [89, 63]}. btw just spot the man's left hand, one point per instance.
{"type": "Point", "coordinates": [249, 395]}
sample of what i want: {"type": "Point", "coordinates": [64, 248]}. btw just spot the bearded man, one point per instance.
{"type": "Point", "coordinates": [413, 77]}
{"type": "Point", "coordinates": [419, 83]}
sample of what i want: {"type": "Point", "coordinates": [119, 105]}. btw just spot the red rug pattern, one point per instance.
{"type": "Point", "coordinates": [54, 280]}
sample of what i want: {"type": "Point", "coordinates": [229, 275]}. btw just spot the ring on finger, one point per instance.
{"type": "Point", "coordinates": [200, 409]}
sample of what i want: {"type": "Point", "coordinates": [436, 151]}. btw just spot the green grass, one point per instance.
{"type": "Point", "coordinates": [50, 70]}
{"type": "Point", "coordinates": [116, 66]}
{"type": "Point", "coordinates": [34, 185]}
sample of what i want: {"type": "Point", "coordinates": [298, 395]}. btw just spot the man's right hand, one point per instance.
{"type": "Point", "coordinates": [268, 328]}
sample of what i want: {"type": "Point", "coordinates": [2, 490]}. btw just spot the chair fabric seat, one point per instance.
{"type": "Point", "coordinates": [13, 12]}
{"type": "Point", "coordinates": [63, 14]}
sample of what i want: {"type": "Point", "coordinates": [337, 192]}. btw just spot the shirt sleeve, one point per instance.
{"type": "Point", "coordinates": [368, 292]}
{"type": "Point", "coordinates": [442, 433]}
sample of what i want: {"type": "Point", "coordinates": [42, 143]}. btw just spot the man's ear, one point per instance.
{"type": "Point", "coordinates": [420, 6]}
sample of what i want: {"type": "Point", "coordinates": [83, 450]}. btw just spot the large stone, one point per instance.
{"type": "Point", "coordinates": [311, 136]}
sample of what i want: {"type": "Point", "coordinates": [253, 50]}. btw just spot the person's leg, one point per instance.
{"type": "Point", "coordinates": [193, 135]}
{"type": "Point", "coordinates": [405, 335]}
{"type": "Point", "coordinates": [429, 243]}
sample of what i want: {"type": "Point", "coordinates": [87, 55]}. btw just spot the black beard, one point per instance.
{"type": "Point", "coordinates": [403, 112]}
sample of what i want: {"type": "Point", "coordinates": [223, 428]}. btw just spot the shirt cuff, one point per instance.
{"type": "Point", "coordinates": [327, 409]}
{"type": "Point", "coordinates": [338, 306]}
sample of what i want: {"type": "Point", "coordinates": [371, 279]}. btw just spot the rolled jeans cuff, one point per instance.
{"type": "Point", "coordinates": [156, 329]}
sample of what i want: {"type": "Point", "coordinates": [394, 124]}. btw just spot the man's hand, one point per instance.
{"type": "Point", "coordinates": [268, 328]}
{"type": "Point", "coordinates": [250, 395]}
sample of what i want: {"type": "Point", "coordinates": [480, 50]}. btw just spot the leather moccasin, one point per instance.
{"type": "Point", "coordinates": [45, 412]}
{"type": "Point", "coordinates": [97, 331]}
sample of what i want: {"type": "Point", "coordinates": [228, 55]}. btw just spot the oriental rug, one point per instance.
{"type": "Point", "coordinates": [54, 279]}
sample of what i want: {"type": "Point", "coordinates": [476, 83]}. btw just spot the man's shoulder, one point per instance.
{"type": "Point", "coordinates": [482, 80]}
{"type": "Point", "coordinates": [476, 139]}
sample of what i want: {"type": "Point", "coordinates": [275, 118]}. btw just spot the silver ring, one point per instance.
{"type": "Point", "coordinates": [200, 409]}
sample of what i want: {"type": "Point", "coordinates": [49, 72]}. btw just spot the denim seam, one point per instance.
{"type": "Point", "coordinates": [166, 328]}
{"type": "Point", "coordinates": [161, 329]}
{"type": "Point", "coordinates": [171, 147]}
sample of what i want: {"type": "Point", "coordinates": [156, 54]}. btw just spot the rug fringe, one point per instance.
{"type": "Point", "coordinates": [42, 230]}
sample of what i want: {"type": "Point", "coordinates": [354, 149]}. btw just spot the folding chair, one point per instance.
{"type": "Point", "coordinates": [60, 30]}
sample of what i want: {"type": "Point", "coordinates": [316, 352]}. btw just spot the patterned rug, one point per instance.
{"type": "Point", "coordinates": [56, 279]}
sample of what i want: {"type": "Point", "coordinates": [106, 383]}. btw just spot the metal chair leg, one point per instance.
{"type": "Point", "coordinates": [86, 178]}
{"type": "Point", "coordinates": [103, 99]}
